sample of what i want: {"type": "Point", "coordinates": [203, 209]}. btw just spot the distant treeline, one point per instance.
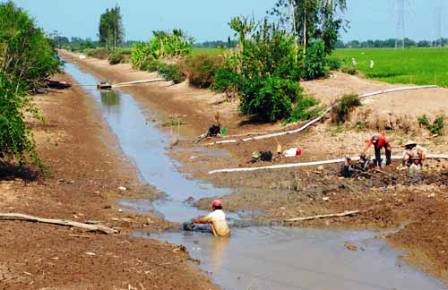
{"type": "Point", "coordinates": [230, 43]}
{"type": "Point", "coordinates": [77, 43]}
{"type": "Point", "coordinates": [392, 42]}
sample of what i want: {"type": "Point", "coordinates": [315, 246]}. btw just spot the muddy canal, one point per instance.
{"type": "Point", "coordinates": [255, 257]}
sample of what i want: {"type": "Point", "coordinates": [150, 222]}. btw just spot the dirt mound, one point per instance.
{"type": "Point", "coordinates": [329, 89]}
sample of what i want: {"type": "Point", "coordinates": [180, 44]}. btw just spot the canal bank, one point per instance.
{"type": "Point", "coordinates": [137, 136]}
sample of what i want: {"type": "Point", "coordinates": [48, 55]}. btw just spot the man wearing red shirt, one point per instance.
{"type": "Point", "coordinates": [379, 142]}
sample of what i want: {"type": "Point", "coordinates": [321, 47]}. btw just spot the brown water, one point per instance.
{"type": "Point", "coordinates": [254, 257]}
{"type": "Point", "coordinates": [282, 258]}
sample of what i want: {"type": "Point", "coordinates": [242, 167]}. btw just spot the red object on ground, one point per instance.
{"type": "Point", "coordinates": [299, 151]}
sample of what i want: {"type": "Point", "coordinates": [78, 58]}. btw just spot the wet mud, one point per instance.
{"type": "Point", "coordinates": [255, 257]}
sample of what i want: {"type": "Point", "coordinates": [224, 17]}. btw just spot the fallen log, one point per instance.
{"type": "Point", "coordinates": [66, 223]}
{"type": "Point", "coordinates": [317, 119]}
{"type": "Point", "coordinates": [308, 164]}
{"type": "Point", "coordinates": [323, 216]}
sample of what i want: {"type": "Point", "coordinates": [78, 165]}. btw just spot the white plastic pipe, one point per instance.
{"type": "Point", "coordinates": [312, 122]}
{"type": "Point", "coordinates": [308, 164]}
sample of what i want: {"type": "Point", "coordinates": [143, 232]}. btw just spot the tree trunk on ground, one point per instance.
{"type": "Point", "coordinates": [66, 223]}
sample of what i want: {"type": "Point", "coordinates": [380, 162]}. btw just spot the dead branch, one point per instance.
{"type": "Point", "coordinates": [323, 216]}
{"type": "Point", "coordinates": [66, 223]}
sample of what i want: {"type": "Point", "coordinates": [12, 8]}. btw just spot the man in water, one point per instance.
{"type": "Point", "coordinates": [216, 220]}
{"type": "Point", "coordinates": [379, 142]}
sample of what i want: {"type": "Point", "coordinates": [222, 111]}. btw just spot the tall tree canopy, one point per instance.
{"type": "Point", "coordinates": [312, 19]}
{"type": "Point", "coordinates": [27, 59]}
{"type": "Point", "coordinates": [26, 54]}
{"type": "Point", "coordinates": [111, 32]}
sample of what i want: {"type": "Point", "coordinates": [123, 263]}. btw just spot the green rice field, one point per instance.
{"type": "Point", "coordinates": [420, 66]}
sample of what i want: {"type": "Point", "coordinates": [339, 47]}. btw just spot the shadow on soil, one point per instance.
{"type": "Point", "coordinates": [11, 171]}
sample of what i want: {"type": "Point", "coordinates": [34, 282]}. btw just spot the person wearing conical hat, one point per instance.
{"type": "Point", "coordinates": [414, 155]}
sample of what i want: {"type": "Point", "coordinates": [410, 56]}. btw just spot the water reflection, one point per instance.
{"type": "Point", "coordinates": [111, 101]}
{"type": "Point", "coordinates": [217, 252]}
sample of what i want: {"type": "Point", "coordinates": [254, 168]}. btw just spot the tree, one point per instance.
{"type": "Point", "coordinates": [170, 44]}
{"type": "Point", "coordinates": [111, 33]}
{"type": "Point", "coordinates": [26, 54]}
{"type": "Point", "coordinates": [15, 137]}
{"type": "Point", "coordinates": [312, 20]}
{"type": "Point", "coordinates": [242, 26]}
{"type": "Point", "coordinates": [59, 40]}
{"type": "Point", "coordinates": [27, 58]}
{"type": "Point", "coordinates": [264, 70]}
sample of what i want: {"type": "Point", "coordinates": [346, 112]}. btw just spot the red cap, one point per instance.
{"type": "Point", "coordinates": [216, 203]}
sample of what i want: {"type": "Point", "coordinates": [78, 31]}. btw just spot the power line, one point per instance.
{"type": "Point", "coordinates": [438, 17]}
{"type": "Point", "coordinates": [401, 9]}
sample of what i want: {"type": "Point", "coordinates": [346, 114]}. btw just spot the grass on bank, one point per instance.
{"type": "Point", "coordinates": [211, 51]}
{"type": "Point", "coordinates": [420, 66]}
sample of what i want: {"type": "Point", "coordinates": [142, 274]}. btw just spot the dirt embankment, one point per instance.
{"type": "Point", "coordinates": [390, 198]}
{"type": "Point", "coordinates": [196, 107]}
{"type": "Point", "coordinates": [85, 174]}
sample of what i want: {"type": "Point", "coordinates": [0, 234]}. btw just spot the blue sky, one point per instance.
{"type": "Point", "coordinates": [207, 19]}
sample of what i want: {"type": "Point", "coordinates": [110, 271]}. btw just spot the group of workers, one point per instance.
{"type": "Point", "coordinates": [413, 156]}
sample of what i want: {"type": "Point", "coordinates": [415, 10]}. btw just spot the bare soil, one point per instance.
{"type": "Point", "coordinates": [417, 207]}
{"type": "Point", "coordinates": [85, 171]}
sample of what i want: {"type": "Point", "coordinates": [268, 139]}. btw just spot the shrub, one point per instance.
{"type": "Point", "coordinates": [27, 58]}
{"type": "Point", "coordinates": [438, 125]}
{"type": "Point", "coordinates": [152, 65]}
{"type": "Point", "coordinates": [99, 53]}
{"type": "Point", "coordinates": [161, 45]}
{"type": "Point", "coordinates": [115, 58]}
{"type": "Point", "coordinates": [436, 128]}
{"type": "Point", "coordinates": [170, 44]}
{"type": "Point", "coordinates": [265, 71]}
{"type": "Point", "coordinates": [119, 56]}
{"type": "Point", "coordinates": [140, 56]}
{"type": "Point", "coordinates": [304, 109]}
{"type": "Point", "coordinates": [346, 104]}
{"type": "Point", "coordinates": [171, 72]}
{"type": "Point", "coordinates": [26, 54]}
{"type": "Point", "coordinates": [200, 69]}
{"type": "Point", "coordinates": [423, 121]}
{"type": "Point", "coordinates": [270, 98]}
{"type": "Point", "coordinates": [315, 61]}
{"type": "Point", "coordinates": [226, 81]}
{"type": "Point", "coordinates": [334, 63]}
{"type": "Point", "coordinates": [15, 137]}
{"type": "Point", "coordinates": [349, 69]}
